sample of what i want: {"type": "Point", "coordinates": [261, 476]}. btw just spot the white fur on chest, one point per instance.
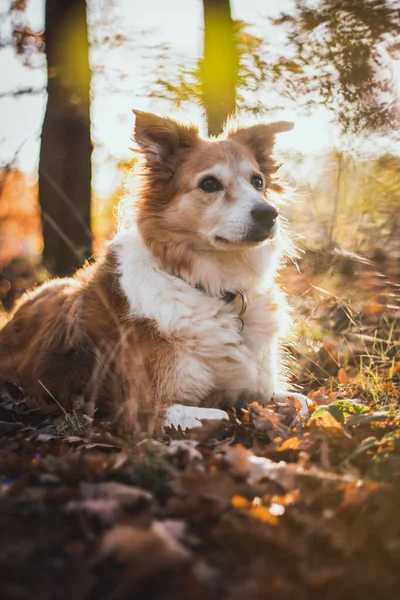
{"type": "Point", "coordinates": [210, 352]}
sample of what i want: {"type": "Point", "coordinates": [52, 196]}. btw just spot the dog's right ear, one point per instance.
{"type": "Point", "coordinates": [159, 138]}
{"type": "Point", "coordinates": [260, 139]}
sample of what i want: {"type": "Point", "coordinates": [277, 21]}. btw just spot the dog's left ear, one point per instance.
{"type": "Point", "coordinates": [159, 137]}
{"type": "Point", "coordinates": [260, 139]}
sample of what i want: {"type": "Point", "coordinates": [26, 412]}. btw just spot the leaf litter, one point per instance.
{"type": "Point", "coordinates": [263, 505]}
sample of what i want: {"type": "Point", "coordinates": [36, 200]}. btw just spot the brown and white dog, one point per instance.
{"type": "Point", "coordinates": [182, 307]}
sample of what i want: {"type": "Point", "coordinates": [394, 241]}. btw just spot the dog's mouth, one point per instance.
{"type": "Point", "coordinates": [221, 240]}
{"type": "Point", "coordinates": [257, 238]}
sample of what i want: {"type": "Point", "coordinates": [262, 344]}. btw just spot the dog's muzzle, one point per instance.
{"type": "Point", "coordinates": [264, 223]}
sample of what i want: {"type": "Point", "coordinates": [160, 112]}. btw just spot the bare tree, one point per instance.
{"type": "Point", "coordinates": [65, 155]}
{"type": "Point", "coordinates": [219, 67]}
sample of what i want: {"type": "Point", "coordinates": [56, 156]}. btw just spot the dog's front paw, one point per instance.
{"type": "Point", "coordinates": [191, 416]}
{"type": "Point", "coordinates": [281, 397]}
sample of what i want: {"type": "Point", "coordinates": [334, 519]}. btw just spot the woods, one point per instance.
{"type": "Point", "coordinates": [351, 48]}
{"type": "Point", "coordinates": [266, 503]}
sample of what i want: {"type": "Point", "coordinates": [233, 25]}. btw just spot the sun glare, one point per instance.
{"type": "Point", "coordinates": [158, 31]}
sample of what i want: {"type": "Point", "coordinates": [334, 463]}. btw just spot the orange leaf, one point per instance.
{"type": "Point", "coordinates": [395, 370]}
{"type": "Point", "coordinates": [343, 377]}
{"type": "Point", "coordinates": [240, 502]}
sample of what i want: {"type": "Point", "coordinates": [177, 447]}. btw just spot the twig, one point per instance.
{"type": "Point", "coordinates": [53, 398]}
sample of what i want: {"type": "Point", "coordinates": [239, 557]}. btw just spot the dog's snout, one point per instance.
{"type": "Point", "coordinates": [263, 221]}
{"type": "Point", "coordinates": [264, 215]}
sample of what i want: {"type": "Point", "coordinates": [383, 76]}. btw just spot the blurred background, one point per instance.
{"type": "Point", "coordinates": [71, 72]}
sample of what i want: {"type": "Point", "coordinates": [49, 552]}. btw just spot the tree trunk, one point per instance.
{"type": "Point", "coordinates": [219, 68]}
{"type": "Point", "coordinates": [65, 155]}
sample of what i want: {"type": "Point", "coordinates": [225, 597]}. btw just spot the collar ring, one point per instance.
{"type": "Point", "coordinates": [243, 298]}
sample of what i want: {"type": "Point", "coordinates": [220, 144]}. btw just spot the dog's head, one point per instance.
{"type": "Point", "coordinates": [210, 194]}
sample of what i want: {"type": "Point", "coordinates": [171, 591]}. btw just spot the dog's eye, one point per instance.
{"type": "Point", "coordinates": [210, 184]}
{"type": "Point", "coordinates": [257, 182]}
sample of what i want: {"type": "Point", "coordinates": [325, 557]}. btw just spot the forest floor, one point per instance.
{"type": "Point", "coordinates": [261, 506]}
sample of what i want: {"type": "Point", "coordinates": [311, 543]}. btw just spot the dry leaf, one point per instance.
{"type": "Point", "coordinates": [343, 378]}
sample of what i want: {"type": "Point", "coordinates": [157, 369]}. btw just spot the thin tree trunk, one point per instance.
{"type": "Point", "coordinates": [65, 155]}
{"type": "Point", "coordinates": [219, 69]}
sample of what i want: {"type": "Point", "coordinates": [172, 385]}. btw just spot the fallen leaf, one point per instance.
{"type": "Point", "coordinates": [343, 378]}
{"type": "Point", "coordinates": [143, 547]}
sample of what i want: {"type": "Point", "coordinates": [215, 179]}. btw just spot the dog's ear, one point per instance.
{"type": "Point", "coordinates": [260, 140]}
{"type": "Point", "coordinates": [159, 138]}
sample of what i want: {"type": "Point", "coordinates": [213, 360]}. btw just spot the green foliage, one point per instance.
{"type": "Point", "coordinates": [341, 409]}
{"type": "Point", "coordinates": [336, 52]}
{"type": "Point", "coordinates": [351, 205]}
{"type": "Point", "coordinates": [367, 444]}
{"type": "Point", "coordinates": [364, 419]}
{"type": "Point", "coordinates": [340, 55]}
{"type": "Point", "coordinates": [185, 85]}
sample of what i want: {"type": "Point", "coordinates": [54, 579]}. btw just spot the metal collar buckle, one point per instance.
{"type": "Point", "coordinates": [231, 297]}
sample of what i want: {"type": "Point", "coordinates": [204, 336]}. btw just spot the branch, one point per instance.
{"type": "Point", "coordinates": [22, 92]}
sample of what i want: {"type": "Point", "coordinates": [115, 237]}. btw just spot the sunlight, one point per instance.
{"type": "Point", "coordinates": [122, 76]}
{"type": "Point", "coordinates": [199, 342]}
{"type": "Point", "coordinates": [178, 25]}
{"type": "Point", "coordinates": [396, 74]}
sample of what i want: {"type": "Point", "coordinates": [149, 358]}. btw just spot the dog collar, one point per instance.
{"type": "Point", "coordinates": [229, 297]}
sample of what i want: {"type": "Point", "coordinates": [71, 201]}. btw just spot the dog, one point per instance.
{"type": "Point", "coordinates": [182, 307]}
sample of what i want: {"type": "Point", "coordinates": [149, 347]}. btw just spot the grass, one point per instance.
{"type": "Point", "coordinates": [74, 424]}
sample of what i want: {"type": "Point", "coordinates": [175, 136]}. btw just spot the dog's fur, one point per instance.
{"type": "Point", "coordinates": [147, 325]}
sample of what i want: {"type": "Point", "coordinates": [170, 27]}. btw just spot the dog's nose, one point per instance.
{"type": "Point", "coordinates": [264, 215]}
{"type": "Point", "coordinates": [263, 220]}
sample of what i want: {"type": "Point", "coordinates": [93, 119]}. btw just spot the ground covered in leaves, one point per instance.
{"type": "Point", "coordinates": [262, 506]}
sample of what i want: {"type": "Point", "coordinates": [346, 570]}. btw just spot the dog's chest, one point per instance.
{"type": "Point", "coordinates": [217, 354]}
{"type": "Point", "coordinates": [206, 348]}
